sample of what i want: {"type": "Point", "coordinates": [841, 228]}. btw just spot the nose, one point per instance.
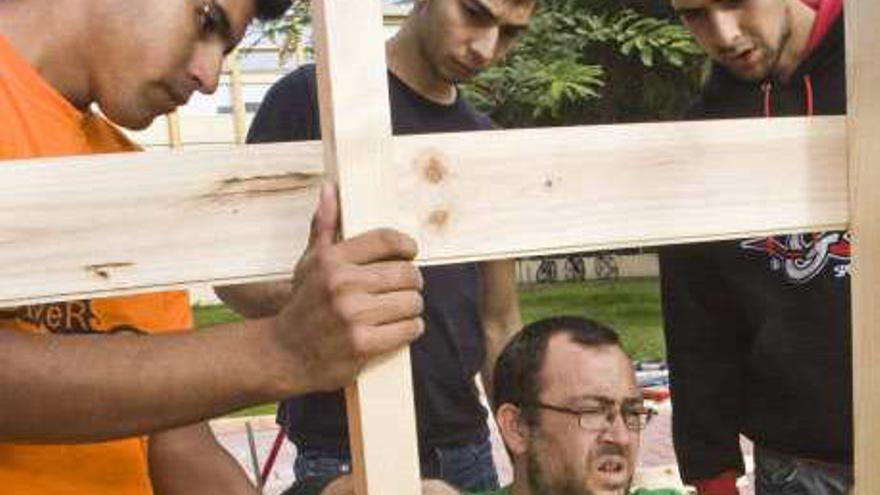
{"type": "Point", "coordinates": [725, 26]}
{"type": "Point", "coordinates": [484, 46]}
{"type": "Point", "coordinates": [616, 430]}
{"type": "Point", "coordinates": [204, 67]}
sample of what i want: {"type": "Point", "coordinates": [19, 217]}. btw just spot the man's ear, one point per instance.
{"type": "Point", "coordinates": [513, 428]}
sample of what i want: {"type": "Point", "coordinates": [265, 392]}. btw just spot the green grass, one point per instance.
{"type": "Point", "coordinates": [630, 306]}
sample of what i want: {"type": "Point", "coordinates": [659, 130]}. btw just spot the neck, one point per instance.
{"type": "Point", "coordinates": [51, 37]}
{"type": "Point", "coordinates": [795, 50]}
{"type": "Point", "coordinates": [410, 65]}
{"type": "Point", "coordinates": [520, 484]}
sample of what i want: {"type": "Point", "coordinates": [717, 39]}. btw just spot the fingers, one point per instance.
{"type": "Point", "coordinates": [378, 245]}
{"type": "Point", "coordinates": [381, 339]}
{"type": "Point", "coordinates": [378, 278]}
{"type": "Point", "coordinates": [385, 308]}
{"type": "Point", "coordinates": [325, 222]}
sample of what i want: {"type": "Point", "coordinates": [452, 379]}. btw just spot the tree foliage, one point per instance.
{"type": "Point", "coordinates": [593, 61]}
{"type": "Point", "coordinates": [288, 32]}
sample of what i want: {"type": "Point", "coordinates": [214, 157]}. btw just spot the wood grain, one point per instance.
{"type": "Point", "coordinates": [356, 131]}
{"type": "Point", "coordinates": [863, 40]}
{"type": "Point", "coordinates": [242, 213]}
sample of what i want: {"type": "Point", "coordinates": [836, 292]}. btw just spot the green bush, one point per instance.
{"type": "Point", "coordinates": [594, 61]}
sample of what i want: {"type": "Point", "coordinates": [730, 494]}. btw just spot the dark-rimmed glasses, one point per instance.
{"type": "Point", "coordinates": [635, 415]}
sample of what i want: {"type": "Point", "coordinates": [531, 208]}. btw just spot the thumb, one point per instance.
{"type": "Point", "coordinates": [325, 221]}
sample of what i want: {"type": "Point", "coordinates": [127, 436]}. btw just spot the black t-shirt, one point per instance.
{"type": "Point", "coordinates": [451, 351]}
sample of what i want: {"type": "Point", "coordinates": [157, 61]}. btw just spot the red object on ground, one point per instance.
{"type": "Point", "coordinates": [273, 454]}
{"type": "Point", "coordinates": [656, 394]}
{"type": "Point", "coordinates": [723, 484]}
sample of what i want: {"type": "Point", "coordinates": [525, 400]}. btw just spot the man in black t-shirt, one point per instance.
{"type": "Point", "coordinates": [470, 309]}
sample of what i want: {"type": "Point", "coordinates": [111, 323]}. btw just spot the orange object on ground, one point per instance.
{"type": "Point", "coordinates": [38, 122]}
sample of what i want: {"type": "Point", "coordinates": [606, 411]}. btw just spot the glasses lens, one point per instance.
{"type": "Point", "coordinates": [637, 420]}
{"type": "Point", "coordinates": [593, 419]}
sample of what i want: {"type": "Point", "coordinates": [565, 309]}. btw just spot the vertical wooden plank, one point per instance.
{"type": "Point", "coordinates": [233, 61]}
{"type": "Point", "coordinates": [173, 120]}
{"type": "Point", "coordinates": [356, 130]}
{"type": "Point", "coordinates": [863, 72]}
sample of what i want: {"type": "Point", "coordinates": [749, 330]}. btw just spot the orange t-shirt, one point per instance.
{"type": "Point", "coordinates": [36, 121]}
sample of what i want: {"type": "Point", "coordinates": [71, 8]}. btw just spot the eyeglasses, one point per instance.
{"type": "Point", "coordinates": [635, 415]}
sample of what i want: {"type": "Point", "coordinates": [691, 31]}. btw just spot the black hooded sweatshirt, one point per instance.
{"type": "Point", "coordinates": [758, 330]}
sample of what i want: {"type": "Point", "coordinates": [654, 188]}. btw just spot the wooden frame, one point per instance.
{"type": "Point", "coordinates": [142, 222]}
{"type": "Point", "coordinates": [863, 74]}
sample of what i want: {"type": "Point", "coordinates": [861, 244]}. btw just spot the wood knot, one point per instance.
{"type": "Point", "coordinates": [104, 270]}
{"type": "Point", "coordinates": [439, 218]}
{"type": "Point", "coordinates": [433, 167]}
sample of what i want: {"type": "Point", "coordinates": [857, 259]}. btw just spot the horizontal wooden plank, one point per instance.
{"type": "Point", "coordinates": [101, 225]}
{"type": "Point", "coordinates": [517, 193]}
{"type": "Point", "coordinates": [89, 226]}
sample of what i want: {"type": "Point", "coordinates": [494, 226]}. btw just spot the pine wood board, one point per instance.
{"type": "Point", "coordinates": [863, 40]}
{"type": "Point", "coordinates": [356, 131]}
{"type": "Point", "coordinates": [102, 225]}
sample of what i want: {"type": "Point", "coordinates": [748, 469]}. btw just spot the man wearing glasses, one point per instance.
{"type": "Point", "coordinates": [569, 409]}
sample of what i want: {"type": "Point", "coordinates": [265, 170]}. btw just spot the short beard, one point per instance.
{"type": "Point", "coordinates": [775, 55]}
{"type": "Point", "coordinates": [784, 39]}
{"type": "Point", "coordinates": [538, 484]}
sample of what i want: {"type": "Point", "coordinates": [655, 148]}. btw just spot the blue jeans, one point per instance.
{"type": "Point", "coordinates": [467, 467]}
{"type": "Point", "coordinates": [781, 474]}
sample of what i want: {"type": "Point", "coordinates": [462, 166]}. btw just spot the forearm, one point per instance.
{"type": "Point", "coordinates": [190, 460]}
{"type": "Point", "coordinates": [85, 388]}
{"type": "Point", "coordinates": [496, 338]}
{"type": "Point", "coordinates": [258, 300]}
{"type": "Point", "coordinates": [500, 314]}
{"type": "Point", "coordinates": [350, 302]}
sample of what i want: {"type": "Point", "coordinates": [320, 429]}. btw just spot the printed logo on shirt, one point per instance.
{"type": "Point", "coordinates": [803, 256]}
{"type": "Point", "coordinates": [74, 317]}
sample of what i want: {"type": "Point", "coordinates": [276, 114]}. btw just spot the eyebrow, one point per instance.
{"type": "Point", "coordinates": [487, 12]}
{"type": "Point", "coordinates": [224, 26]}
{"type": "Point", "coordinates": [483, 9]}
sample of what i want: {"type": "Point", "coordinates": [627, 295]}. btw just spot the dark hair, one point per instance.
{"type": "Point", "coordinates": [268, 10]}
{"type": "Point", "coordinates": [516, 375]}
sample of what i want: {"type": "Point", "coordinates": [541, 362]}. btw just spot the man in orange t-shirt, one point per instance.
{"type": "Point", "coordinates": [78, 376]}
{"type": "Point", "coordinates": [41, 122]}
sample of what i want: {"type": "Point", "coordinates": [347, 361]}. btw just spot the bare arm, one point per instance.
{"type": "Point", "coordinates": [60, 389]}
{"type": "Point", "coordinates": [499, 312]}
{"type": "Point", "coordinates": [190, 460]}
{"type": "Point", "coordinates": [349, 302]}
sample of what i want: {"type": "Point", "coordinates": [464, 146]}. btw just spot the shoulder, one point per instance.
{"type": "Point", "coordinates": [293, 86]}
{"type": "Point", "coordinates": [480, 119]}
{"type": "Point", "coordinates": [288, 112]}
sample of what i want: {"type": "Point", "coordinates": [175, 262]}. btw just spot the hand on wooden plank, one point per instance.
{"type": "Point", "coordinates": [351, 301]}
